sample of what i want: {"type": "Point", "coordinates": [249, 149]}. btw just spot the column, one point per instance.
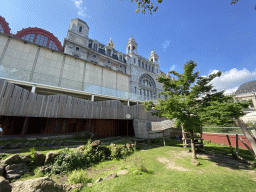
{"type": "Point", "coordinates": [92, 98]}
{"type": "Point", "coordinates": [33, 90]}
{"type": "Point", "coordinates": [128, 103]}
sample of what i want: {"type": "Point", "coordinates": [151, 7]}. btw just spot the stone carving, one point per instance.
{"type": "Point", "coordinates": [111, 44]}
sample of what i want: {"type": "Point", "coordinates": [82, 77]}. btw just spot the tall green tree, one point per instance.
{"type": "Point", "coordinates": [185, 103]}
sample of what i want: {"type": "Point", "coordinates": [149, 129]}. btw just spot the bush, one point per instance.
{"type": "Point", "coordinates": [68, 160]}
{"type": "Point", "coordinates": [79, 176]}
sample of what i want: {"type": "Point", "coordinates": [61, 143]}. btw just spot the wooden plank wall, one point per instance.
{"type": "Point", "coordinates": [16, 101]}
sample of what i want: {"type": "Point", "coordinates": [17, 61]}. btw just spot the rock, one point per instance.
{"type": "Point", "coordinates": [50, 156]}
{"type": "Point", "coordinates": [53, 143]}
{"type": "Point", "coordinates": [25, 158]}
{"type": "Point", "coordinates": [39, 158]}
{"type": "Point", "coordinates": [28, 144]}
{"type": "Point", "coordinates": [98, 180]}
{"type": "Point", "coordinates": [95, 144]}
{"type": "Point", "coordinates": [42, 184]}
{"type": "Point", "coordinates": [122, 172]}
{"type": "Point", "coordinates": [18, 145]}
{"type": "Point", "coordinates": [2, 169]}
{"type": "Point", "coordinates": [110, 176]}
{"type": "Point", "coordinates": [194, 162]}
{"type": "Point", "coordinates": [44, 169]}
{"type": "Point", "coordinates": [89, 184]}
{"type": "Point", "coordinates": [15, 171]}
{"type": "Point", "coordinates": [45, 144]}
{"type": "Point", "coordinates": [38, 144]}
{"type": "Point", "coordinates": [7, 146]}
{"type": "Point", "coordinates": [5, 185]}
{"type": "Point", "coordinates": [71, 187]}
{"type": "Point", "coordinates": [12, 159]}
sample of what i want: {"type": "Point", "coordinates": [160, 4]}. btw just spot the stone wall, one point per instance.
{"type": "Point", "coordinates": [31, 63]}
{"type": "Point", "coordinates": [141, 128]}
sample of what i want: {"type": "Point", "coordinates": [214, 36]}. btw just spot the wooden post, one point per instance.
{"type": "Point", "coordinates": [24, 127]}
{"type": "Point", "coordinates": [163, 137]}
{"type": "Point", "coordinates": [251, 151]}
{"type": "Point", "coordinates": [231, 149]}
{"type": "Point", "coordinates": [236, 143]}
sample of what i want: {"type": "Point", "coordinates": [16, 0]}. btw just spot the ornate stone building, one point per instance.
{"type": "Point", "coordinates": [34, 59]}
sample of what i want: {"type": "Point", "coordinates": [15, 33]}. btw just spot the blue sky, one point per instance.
{"type": "Point", "coordinates": [215, 34]}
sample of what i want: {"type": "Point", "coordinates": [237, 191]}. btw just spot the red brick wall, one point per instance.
{"type": "Point", "coordinates": [222, 139]}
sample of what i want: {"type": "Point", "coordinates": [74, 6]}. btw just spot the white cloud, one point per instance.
{"type": "Point", "coordinates": [165, 44]}
{"type": "Point", "coordinates": [172, 67]}
{"type": "Point", "coordinates": [231, 80]}
{"type": "Point", "coordinates": [79, 5]}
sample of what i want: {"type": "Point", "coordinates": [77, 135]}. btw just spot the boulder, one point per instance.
{"type": "Point", "coordinates": [18, 145]}
{"type": "Point", "coordinates": [15, 171]}
{"type": "Point", "coordinates": [110, 176]}
{"type": "Point", "coordinates": [50, 156]}
{"type": "Point", "coordinates": [2, 169]}
{"type": "Point", "coordinates": [98, 180]}
{"type": "Point", "coordinates": [7, 146]}
{"type": "Point", "coordinates": [44, 169]}
{"type": "Point", "coordinates": [12, 159]}
{"type": "Point", "coordinates": [71, 187]}
{"type": "Point", "coordinates": [5, 185]}
{"type": "Point", "coordinates": [42, 184]}
{"type": "Point", "coordinates": [28, 144]}
{"type": "Point", "coordinates": [38, 144]}
{"type": "Point", "coordinates": [122, 172]}
{"type": "Point", "coordinates": [25, 158]}
{"type": "Point", "coordinates": [39, 158]}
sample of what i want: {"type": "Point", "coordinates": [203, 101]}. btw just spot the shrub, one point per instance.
{"type": "Point", "coordinates": [32, 159]}
{"type": "Point", "coordinates": [68, 160]}
{"type": "Point", "coordinates": [79, 176]}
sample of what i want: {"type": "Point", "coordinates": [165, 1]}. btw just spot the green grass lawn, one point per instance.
{"type": "Point", "coordinates": [169, 169]}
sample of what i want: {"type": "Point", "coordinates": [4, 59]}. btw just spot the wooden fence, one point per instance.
{"type": "Point", "coordinates": [16, 101]}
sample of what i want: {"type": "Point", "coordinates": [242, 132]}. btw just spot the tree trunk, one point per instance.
{"type": "Point", "coordinates": [247, 135]}
{"type": "Point", "coordinates": [193, 145]}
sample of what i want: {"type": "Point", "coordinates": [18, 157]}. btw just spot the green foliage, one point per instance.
{"type": "Point", "coordinates": [184, 102]}
{"type": "Point", "coordinates": [146, 5]}
{"type": "Point", "coordinates": [79, 176]}
{"type": "Point", "coordinates": [32, 160]}
{"type": "Point", "coordinates": [71, 159]}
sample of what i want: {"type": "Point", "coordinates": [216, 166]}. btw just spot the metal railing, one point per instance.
{"type": "Point", "coordinates": [226, 130]}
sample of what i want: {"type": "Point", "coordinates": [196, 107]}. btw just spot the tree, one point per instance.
{"type": "Point", "coordinates": [185, 104]}
{"type": "Point", "coordinates": [145, 4]}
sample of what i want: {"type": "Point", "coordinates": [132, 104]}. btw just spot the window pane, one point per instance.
{"type": "Point", "coordinates": [1, 29]}
{"type": "Point", "coordinates": [41, 40]}
{"type": "Point", "coordinates": [29, 37]}
{"type": "Point", "coordinates": [52, 45]}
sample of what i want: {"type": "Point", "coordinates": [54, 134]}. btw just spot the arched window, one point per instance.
{"type": "Point", "coordinates": [142, 65]}
{"type": "Point", "coordinates": [80, 29]}
{"type": "Point", "coordinates": [4, 26]}
{"type": "Point", "coordinates": [147, 85]}
{"type": "Point", "coordinates": [40, 37]}
{"type": "Point", "coordinates": [146, 66]}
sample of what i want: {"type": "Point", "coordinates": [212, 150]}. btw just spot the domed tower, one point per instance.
{"type": "Point", "coordinates": [153, 57]}
{"type": "Point", "coordinates": [131, 46]}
